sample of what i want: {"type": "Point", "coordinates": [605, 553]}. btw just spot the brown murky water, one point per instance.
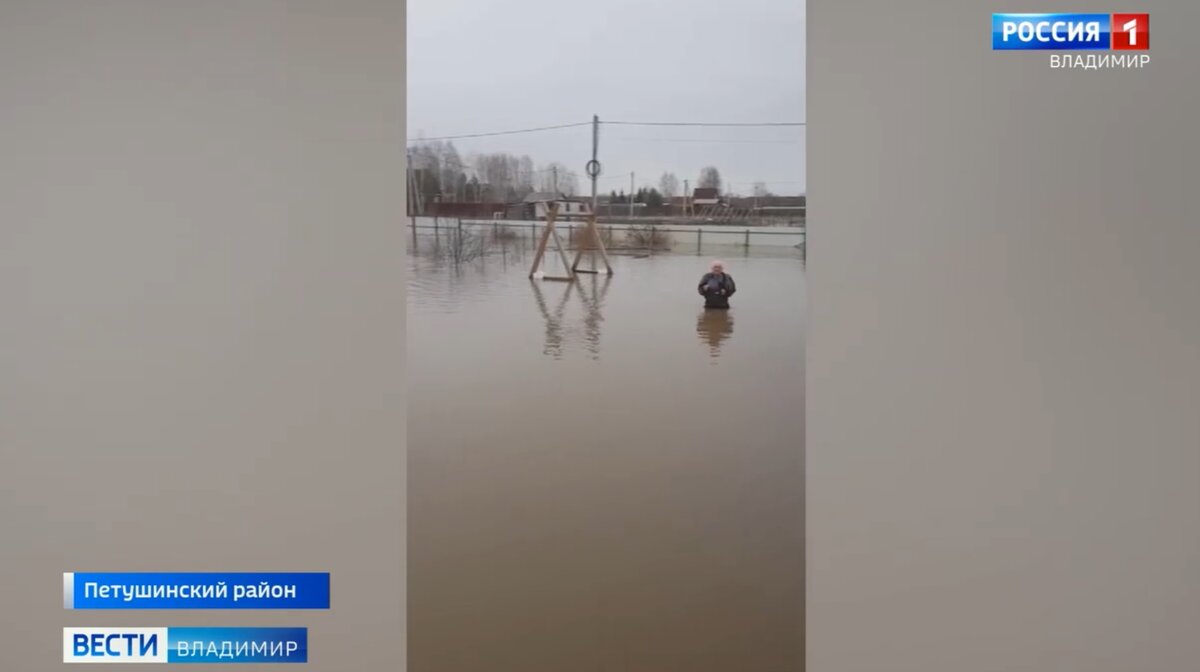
{"type": "Point", "coordinates": [604, 476]}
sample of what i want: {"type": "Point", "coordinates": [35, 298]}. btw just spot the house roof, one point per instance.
{"type": "Point", "coordinates": [705, 193]}
{"type": "Point", "coordinates": [795, 202]}
{"type": "Point", "coordinates": [546, 197]}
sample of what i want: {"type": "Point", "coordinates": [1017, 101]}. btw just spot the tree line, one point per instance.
{"type": "Point", "coordinates": [439, 170]}
{"type": "Point", "coordinates": [710, 178]}
{"type": "Point", "coordinates": [650, 196]}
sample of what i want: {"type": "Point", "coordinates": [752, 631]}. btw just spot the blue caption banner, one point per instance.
{"type": "Point", "coordinates": [1060, 32]}
{"type": "Point", "coordinates": [175, 591]}
{"type": "Point", "coordinates": [237, 645]}
{"type": "Point", "coordinates": [185, 645]}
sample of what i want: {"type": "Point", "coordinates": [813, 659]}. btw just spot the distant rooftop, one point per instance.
{"type": "Point", "coordinates": [546, 197]}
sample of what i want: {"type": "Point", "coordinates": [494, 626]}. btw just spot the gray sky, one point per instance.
{"type": "Point", "coordinates": [479, 66]}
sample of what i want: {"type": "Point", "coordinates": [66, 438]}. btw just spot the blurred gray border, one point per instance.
{"type": "Point", "coordinates": [202, 310]}
{"type": "Point", "coordinates": [1003, 450]}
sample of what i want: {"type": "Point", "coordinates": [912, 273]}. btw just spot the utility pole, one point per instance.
{"type": "Point", "coordinates": [417, 207]}
{"type": "Point", "coordinates": [555, 171]}
{"type": "Point", "coordinates": [687, 198]}
{"type": "Point", "coordinates": [631, 194]}
{"type": "Point", "coordinates": [595, 173]}
{"type": "Point", "coordinates": [408, 178]}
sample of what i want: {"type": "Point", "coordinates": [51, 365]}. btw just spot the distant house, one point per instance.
{"type": "Point", "coordinates": [704, 196]}
{"type": "Point", "coordinates": [622, 209]}
{"type": "Point", "coordinates": [536, 206]}
{"type": "Point", "coordinates": [796, 203]}
{"type": "Point", "coordinates": [446, 208]}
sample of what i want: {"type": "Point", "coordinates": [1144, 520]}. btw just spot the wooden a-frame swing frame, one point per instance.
{"type": "Point", "coordinates": [590, 232]}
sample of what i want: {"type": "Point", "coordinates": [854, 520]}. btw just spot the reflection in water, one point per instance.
{"type": "Point", "coordinates": [714, 327]}
{"type": "Point", "coordinates": [553, 320]}
{"type": "Point", "coordinates": [638, 510]}
{"type": "Point", "coordinates": [592, 301]}
{"type": "Point", "coordinates": [593, 306]}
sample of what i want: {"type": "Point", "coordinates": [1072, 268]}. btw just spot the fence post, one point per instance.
{"type": "Point", "coordinates": [747, 237]}
{"type": "Point", "coordinates": [652, 240]}
{"type": "Point", "coordinates": [699, 239]}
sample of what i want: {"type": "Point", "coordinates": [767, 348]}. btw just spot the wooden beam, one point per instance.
{"type": "Point", "coordinates": [548, 233]}
{"type": "Point", "coordinates": [592, 233]}
{"type": "Point", "coordinates": [584, 242]}
{"type": "Point", "coordinates": [551, 211]}
{"type": "Point", "coordinates": [562, 254]}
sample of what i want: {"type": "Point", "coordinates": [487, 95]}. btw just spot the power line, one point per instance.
{"type": "Point", "coordinates": [683, 123]}
{"type": "Point", "coordinates": [769, 182]}
{"type": "Point", "coordinates": [708, 140]}
{"type": "Point", "coordinates": [488, 135]}
{"type": "Point", "coordinates": [651, 182]}
{"type": "Point", "coordinates": [539, 129]}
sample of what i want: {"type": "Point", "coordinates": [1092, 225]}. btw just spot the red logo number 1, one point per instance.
{"type": "Point", "coordinates": [1130, 32]}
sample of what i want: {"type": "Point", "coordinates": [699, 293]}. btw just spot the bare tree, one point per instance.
{"type": "Point", "coordinates": [439, 170]}
{"type": "Point", "coordinates": [555, 177]}
{"type": "Point", "coordinates": [427, 167]}
{"type": "Point", "coordinates": [760, 190]}
{"type": "Point", "coordinates": [550, 177]}
{"type": "Point", "coordinates": [459, 246]}
{"type": "Point", "coordinates": [451, 166]}
{"type": "Point", "coordinates": [569, 184]}
{"type": "Point", "coordinates": [499, 172]}
{"type": "Point", "coordinates": [710, 178]}
{"type": "Point", "coordinates": [526, 183]}
{"type": "Point", "coordinates": [668, 184]}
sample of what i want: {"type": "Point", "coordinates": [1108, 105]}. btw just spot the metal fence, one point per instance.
{"type": "Point", "coordinates": [626, 236]}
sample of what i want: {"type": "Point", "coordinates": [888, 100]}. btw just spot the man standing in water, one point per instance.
{"type": "Point", "coordinates": [717, 286]}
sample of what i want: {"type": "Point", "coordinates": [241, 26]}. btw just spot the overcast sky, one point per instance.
{"type": "Point", "coordinates": [479, 66]}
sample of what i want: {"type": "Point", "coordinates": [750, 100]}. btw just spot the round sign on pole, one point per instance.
{"type": "Point", "coordinates": [593, 168]}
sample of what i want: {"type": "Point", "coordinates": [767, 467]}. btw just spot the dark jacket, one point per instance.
{"type": "Point", "coordinates": [716, 288]}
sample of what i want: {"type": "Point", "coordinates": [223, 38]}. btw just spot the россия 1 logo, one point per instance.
{"type": "Point", "coordinates": [1076, 32]}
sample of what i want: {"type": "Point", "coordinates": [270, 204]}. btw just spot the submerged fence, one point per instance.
{"type": "Point", "coordinates": [627, 236]}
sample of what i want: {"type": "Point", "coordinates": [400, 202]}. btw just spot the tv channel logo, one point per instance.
{"type": "Point", "coordinates": [1071, 32]}
{"type": "Point", "coordinates": [185, 645]}
{"type": "Point", "coordinates": [115, 645]}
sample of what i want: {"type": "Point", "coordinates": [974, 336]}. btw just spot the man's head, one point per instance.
{"type": "Point", "coordinates": [717, 267]}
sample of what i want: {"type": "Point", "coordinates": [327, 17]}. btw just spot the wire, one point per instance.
{"type": "Point", "coordinates": [681, 123]}
{"type": "Point", "coordinates": [539, 129]}
{"type": "Point", "coordinates": [488, 135]}
{"type": "Point", "coordinates": [708, 140]}
{"type": "Point", "coordinates": [625, 176]}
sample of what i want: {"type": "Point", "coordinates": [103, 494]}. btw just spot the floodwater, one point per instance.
{"type": "Point", "coordinates": [604, 476]}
